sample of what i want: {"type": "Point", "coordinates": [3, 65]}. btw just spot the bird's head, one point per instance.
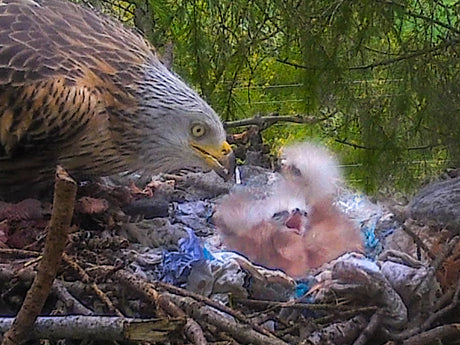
{"type": "Point", "coordinates": [181, 130]}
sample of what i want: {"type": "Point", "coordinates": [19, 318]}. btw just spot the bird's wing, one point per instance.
{"type": "Point", "coordinates": [61, 65]}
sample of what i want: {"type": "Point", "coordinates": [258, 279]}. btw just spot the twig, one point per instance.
{"type": "Point", "coordinates": [445, 299]}
{"type": "Point", "coordinates": [100, 328]}
{"type": "Point", "coordinates": [219, 306]}
{"type": "Point", "coordinates": [9, 273]}
{"type": "Point", "coordinates": [382, 63]}
{"type": "Point", "coordinates": [302, 306]}
{"type": "Point", "coordinates": [192, 329]}
{"type": "Point", "coordinates": [73, 305]}
{"type": "Point", "coordinates": [427, 282]}
{"type": "Point", "coordinates": [431, 319]}
{"type": "Point", "coordinates": [375, 148]}
{"type": "Point", "coordinates": [64, 198]}
{"type": "Point", "coordinates": [197, 310]}
{"type": "Point", "coordinates": [373, 325]}
{"type": "Point", "coordinates": [264, 122]}
{"type": "Point", "coordinates": [418, 241]}
{"type": "Point", "coordinates": [355, 146]}
{"type": "Point", "coordinates": [344, 314]}
{"type": "Point", "coordinates": [455, 301]}
{"type": "Point", "coordinates": [13, 253]}
{"type": "Point", "coordinates": [408, 56]}
{"type": "Point", "coordinates": [401, 258]}
{"type": "Point", "coordinates": [449, 247]}
{"type": "Point", "coordinates": [435, 335]}
{"type": "Point", "coordinates": [87, 279]}
{"type": "Point", "coordinates": [431, 20]}
{"type": "Point", "coordinates": [206, 315]}
{"type": "Point", "coordinates": [338, 333]}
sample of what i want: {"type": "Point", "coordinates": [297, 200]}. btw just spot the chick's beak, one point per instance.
{"type": "Point", "coordinates": [221, 159]}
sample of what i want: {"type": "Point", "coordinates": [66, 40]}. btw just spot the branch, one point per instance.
{"type": "Point", "coordinates": [215, 304]}
{"type": "Point", "coordinates": [85, 278]}
{"type": "Point", "coordinates": [192, 329]}
{"type": "Point", "coordinates": [417, 240]}
{"type": "Point", "coordinates": [409, 56]}
{"type": "Point", "coordinates": [296, 65]}
{"type": "Point", "coordinates": [421, 16]}
{"type": "Point", "coordinates": [241, 333]}
{"type": "Point", "coordinates": [374, 148]}
{"type": "Point", "coordinates": [435, 335]}
{"type": "Point", "coordinates": [9, 272]}
{"type": "Point", "coordinates": [408, 333]}
{"type": "Point", "coordinates": [98, 328]}
{"type": "Point", "coordinates": [264, 122]}
{"type": "Point", "coordinates": [64, 198]}
{"type": "Point", "coordinates": [355, 146]}
{"type": "Point", "coordinates": [253, 303]}
{"type": "Point", "coordinates": [196, 310]}
{"type": "Point", "coordinates": [370, 329]}
{"type": "Point", "coordinates": [441, 46]}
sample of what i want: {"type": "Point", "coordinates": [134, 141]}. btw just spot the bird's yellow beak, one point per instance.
{"type": "Point", "coordinates": [220, 159]}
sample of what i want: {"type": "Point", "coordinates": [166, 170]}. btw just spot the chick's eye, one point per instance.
{"type": "Point", "coordinates": [198, 130]}
{"type": "Point", "coordinates": [294, 171]}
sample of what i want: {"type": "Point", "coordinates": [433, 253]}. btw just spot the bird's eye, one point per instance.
{"type": "Point", "coordinates": [280, 216]}
{"type": "Point", "coordinates": [198, 130]}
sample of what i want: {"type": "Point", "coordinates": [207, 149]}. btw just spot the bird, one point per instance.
{"type": "Point", "coordinates": [81, 90]}
{"type": "Point", "coordinates": [297, 227]}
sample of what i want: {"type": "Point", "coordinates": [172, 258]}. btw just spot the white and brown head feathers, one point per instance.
{"type": "Point", "coordinates": [81, 90]}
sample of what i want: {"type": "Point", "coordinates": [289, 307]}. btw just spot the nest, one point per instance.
{"type": "Point", "coordinates": [125, 277]}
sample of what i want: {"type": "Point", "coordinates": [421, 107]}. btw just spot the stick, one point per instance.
{"type": "Point", "coordinates": [241, 333]}
{"type": "Point", "coordinates": [373, 325]}
{"type": "Point", "coordinates": [264, 122]}
{"type": "Point", "coordinates": [64, 198]}
{"type": "Point", "coordinates": [10, 272]}
{"type": "Point", "coordinates": [85, 278]}
{"type": "Point", "coordinates": [217, 305]}
{"type": "Point", "coordinates": [435, 335]}
{"type": "Point", "coordinates": [192, 329]}
{"type": "Point", "coordinates": [98, 328]}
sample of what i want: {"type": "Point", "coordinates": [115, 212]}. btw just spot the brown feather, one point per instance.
{"type": "Point", "coordinates": [53, 79]}
{"type": "Point", "coordinates": [81, 90]}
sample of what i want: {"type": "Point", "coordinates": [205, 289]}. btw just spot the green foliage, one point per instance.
{"type": "Point", "coordinates": [388, 69]}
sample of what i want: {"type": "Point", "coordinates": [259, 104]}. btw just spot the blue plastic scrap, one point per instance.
{"type": "Point", "coordinates": [366, 214]}
{"type": "Point", "coordinates": [178, 264]}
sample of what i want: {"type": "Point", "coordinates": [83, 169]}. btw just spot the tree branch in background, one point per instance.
{"type": "Point", "coordinates": [387, 62]}
{"type": "Point", "coordinates": [263, 122]}
{"type": "Point", "coordinates": [431, 20]}
{"type": "Point", "coordinates": [409, 56]}
{"type": "Point", "coordinates": [65, 190]}
{"type": "Point", "coordinates": [373, 148]}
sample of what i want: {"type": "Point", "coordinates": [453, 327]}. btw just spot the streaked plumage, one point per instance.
{"type": "Point", "coordinates": [83, 91]}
